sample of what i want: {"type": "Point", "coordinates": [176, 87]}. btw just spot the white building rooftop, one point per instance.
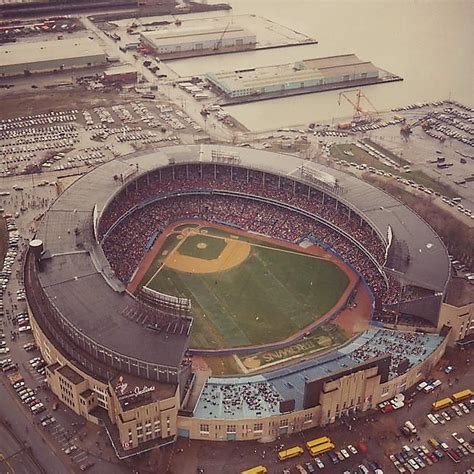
{"type": "Point", "coordinates": [12, 54]}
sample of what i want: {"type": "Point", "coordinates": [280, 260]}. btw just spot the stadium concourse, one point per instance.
{"type": "Point", "coordinates": [260, 395]}
{"type": "Point", "coordinates": [114, 359]}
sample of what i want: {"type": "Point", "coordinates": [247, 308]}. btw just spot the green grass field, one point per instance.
{"type": "Point", "coordinates": [323, 338]}
{"type": "Point", "coordinates": [268, 297]}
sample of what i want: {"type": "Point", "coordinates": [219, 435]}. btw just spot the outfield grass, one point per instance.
{"type": "Point", "coordinates": [270, 296]}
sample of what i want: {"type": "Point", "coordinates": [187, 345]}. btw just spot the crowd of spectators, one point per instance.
{"type": "Point", "coordinates": [125, 246]}
{"type": "Point", "coordinates": [226, 400]}
{"type": "Point", "coordinates": [399, 345]}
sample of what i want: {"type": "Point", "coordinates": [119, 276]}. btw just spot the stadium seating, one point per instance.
{"type": "Point", "coordinates": [125, 245]}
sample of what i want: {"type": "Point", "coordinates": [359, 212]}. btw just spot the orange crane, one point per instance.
{"type": "Point", "coordinates": [360, 115]}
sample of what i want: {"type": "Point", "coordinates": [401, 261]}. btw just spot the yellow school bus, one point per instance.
{"type": "Point", "coordinates": [321, 449]}
{"type": "Point", "coordinates": [290, 453]}
{"type": "Point", "coordinates": [460, 396]}
{"type": "Point", "coordinates": [255, 470]}
{"type": "Point", "coordinates": [440, 404]}
{"type": "Point", "coordinates": [315, 442]}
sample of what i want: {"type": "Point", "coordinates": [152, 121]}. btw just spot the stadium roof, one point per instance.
{"type": "Point", "coordinates": [74, 270]}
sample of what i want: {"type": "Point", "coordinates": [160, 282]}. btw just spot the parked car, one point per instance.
{"type": "Point", "coordinates": [458, 438]}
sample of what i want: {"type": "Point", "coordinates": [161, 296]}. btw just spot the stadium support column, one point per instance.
{"type": "Point", "coordinates": [248, 175]}
{"type": "Point", "coordinates": [323, 197]}
{"type": "Point", "coordinates": [337, 202]}
{"type": "Point", "coordinates": [309, 192]}
{"type": "Point", "coordinates": [294, 187]}
{"type": "Point", "coordinates": [148, 179]}
{"type": "Point", "coordinates": [187, 171]}
{"type": "Point", "coordinates": [279, 182]}
{"type": "Point", "coordinates": [263, 180]}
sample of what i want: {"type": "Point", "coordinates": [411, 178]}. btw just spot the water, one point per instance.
{"type": "Point", "coordinates": [428, 43]}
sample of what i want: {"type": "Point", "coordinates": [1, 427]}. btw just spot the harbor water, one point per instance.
{"type": "Point", "coordinates": [428, 43]}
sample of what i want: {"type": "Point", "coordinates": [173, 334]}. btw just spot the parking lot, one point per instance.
{"type": "Point", "coordinates": [79, 139]}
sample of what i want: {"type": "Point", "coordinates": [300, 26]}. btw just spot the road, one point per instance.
{"type": "Point", "coordinates": [21, 425]}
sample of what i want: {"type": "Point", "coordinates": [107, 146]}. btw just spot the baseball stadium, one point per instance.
{"type": "Point", "coordinates": [224, 287]}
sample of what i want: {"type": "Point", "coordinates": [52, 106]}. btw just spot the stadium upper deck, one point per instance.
{"type": "Point", "coordinates": [77, 278]}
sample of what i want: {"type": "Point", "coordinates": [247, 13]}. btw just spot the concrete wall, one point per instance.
{"type": "Point", "coordinates": [460, 319]}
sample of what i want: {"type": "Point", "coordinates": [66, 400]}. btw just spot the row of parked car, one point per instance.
{"type": "Point", "coordinates": [27, 396]}
{"type": "Point", "coordinates": [457, 409]}
{"type": "Point", "coordinates": [39, 365]}
{"type": "Point", "coordinates": [38, 119]}
{"type": "Point", "coordinates": [413, 459]}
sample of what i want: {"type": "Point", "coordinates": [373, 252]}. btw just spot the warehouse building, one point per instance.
{"type": "Point", "coordinates": [309, 73]}
{"type": "Point", "coordinates": [47, 56]}
{"type": "Point", "coordinates": [189, 40]}
{"type": "Point", "coordinates": [125, 74]}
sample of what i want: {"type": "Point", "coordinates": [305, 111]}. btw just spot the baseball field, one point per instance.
{"type": "Point", "coordinates": [245, 289]}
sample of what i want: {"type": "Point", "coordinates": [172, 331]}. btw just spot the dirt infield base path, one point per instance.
{"type": "Point", "coordinates": [234, 253]}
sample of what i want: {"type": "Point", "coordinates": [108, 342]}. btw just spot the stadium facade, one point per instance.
{"type": "Point", "coordinates": [124, 364]}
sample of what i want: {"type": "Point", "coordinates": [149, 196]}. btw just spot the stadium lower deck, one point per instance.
{"type": "Point", "coordinates": [259, 395]}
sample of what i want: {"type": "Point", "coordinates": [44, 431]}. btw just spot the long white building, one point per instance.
{"type": "Point", "coordinates": [299, 75]}
{"type": "Point", "coordinates": [191, 39]}
{"type": "Point", "coordinates": [47, 56]}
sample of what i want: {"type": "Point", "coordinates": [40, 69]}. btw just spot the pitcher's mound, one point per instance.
{"type": "Point", "coordinates": [201, 245]}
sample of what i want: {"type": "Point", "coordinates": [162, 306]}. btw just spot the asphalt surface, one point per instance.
{"type": "Point", "coordinates": [28, 453]}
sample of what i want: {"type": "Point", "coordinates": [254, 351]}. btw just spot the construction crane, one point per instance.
{"type": "Point", "coordinates": [133, 25]}
{"type": "Point", "coordinates": [360, 115]}
{"type": "Point", "coordinates": [177, 21]}
{"type": "Point", "coordinates": [219, 43]}
{"type": "Point", "coordinates": [407, 127]}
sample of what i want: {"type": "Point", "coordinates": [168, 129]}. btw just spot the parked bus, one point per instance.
{"type": "Point", "coordinates": [443, 403]}
{"type": "Point", "coordinates": [255, 470]}
{"type": "Point", "coordinates": [321, 449]}
{"type": "Point", "coordinates": [460, 396]}
{"type": "Point", "coordinates": [433, 443]}
{"type": "Point", "coordinates": [290, 453]}
{"type": "Point", "coordinates": [316, 442]}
